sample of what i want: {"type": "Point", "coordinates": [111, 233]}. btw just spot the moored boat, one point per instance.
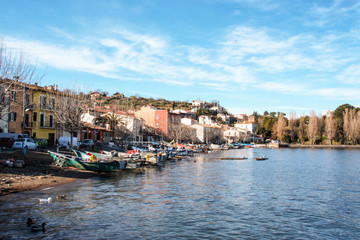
{"type": "Point", "coordinates": [72, 161]}
{"type": "Point", "coordinates": [260, 158]}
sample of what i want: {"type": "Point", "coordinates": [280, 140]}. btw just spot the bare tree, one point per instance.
{"type": "Point", "coordinates": [347, 125]}
{"type": "Point", "coordinates": [177, 132]}
{"type": "Point", "coordinates": [292, 125]}
{"type": "Point", "coordinates": [15, 72]}
{"type": "Point", "coordinates": [68, 111]}
{"type": "Point", "coordinates": [313, 128]}
{"type": "Point", "coordinates": [330, 127]}
{"type": "Point", "coordinates": [281, 124]}
{"type": "Point", "coordinates": [302, 130]}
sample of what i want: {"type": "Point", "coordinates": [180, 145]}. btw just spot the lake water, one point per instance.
{"type": "Point", "coordinates": [296, 194]}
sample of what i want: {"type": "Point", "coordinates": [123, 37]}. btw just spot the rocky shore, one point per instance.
{"type": "Point", "coordinates": [38, 172]}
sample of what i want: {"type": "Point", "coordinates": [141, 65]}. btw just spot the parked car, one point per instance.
{"type": "Point", "coordinates": [66, 141]}
{"type": "Point", "coordinates": [87, 143]}
{"type": "Point", "coordinates": [6, 142]}
{"type": "Point", "coordinates": [25, 143]}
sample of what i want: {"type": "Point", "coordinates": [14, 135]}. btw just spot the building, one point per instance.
{"type": "Point", "coordinates": [42, 119]}
{"type": "Point", "coordinates": [241, 117]}
{"type": "Point", "coordinates": [205, 120]}
{"type": "Point", "coordinates": [188, 121]}
{"type": "Point", "coordinates": [95, 95]}
{"type": "Point", "coordinates": [184, 113]}
{"type": "Point", "coordinates": [158, 119]}
{"type": "Point", "coordinates": [247, 125]}
{"type": "Point", "coordinates": [197, 104]}
{"type": "Point", "coordinates": [208, 134]}
{"type": "Point", "coordinates": [96, 133]}
{"type": "Point", "coordinates": [235, 135]}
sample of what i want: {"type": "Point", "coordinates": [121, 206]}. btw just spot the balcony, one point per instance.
{"type": "Point", "coordinates": [47, 125]}
{"type": "Point", "coordinates": [30, 125]}
{"type": "Point", "coordinates": [30, 107]}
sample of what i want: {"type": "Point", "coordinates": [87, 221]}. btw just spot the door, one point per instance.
{"type": "Point", "coordinates": [51, 139]}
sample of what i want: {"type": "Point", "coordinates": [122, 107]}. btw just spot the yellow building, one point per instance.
{"type": "Point", "coordinates": [43, 117]}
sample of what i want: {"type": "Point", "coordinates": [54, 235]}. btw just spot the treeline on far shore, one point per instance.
{"type": "Point", "coordinates": [338, 127]}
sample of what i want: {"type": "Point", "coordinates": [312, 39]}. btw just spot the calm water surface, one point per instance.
{"type": "Point", "coordinates": [296, 194]}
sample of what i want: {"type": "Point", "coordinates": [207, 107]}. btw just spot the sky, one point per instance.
{"type": "Point", "coordinates": [250, 55]}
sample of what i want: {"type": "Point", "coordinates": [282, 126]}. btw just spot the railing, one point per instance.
{"type": "Point", "coordinates": [30, 107]}
{"type": "Point", "coordinates": [30, 124]}
{"type": "Point", "coordinates": [47, 125]}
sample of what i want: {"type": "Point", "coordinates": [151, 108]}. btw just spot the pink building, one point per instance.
{"type": "Point", "coordinates": [158, 118]}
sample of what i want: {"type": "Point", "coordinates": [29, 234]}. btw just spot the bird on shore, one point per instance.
{"type": "Point", "coordinates": [61, 196]}
{"type": "Point", "coordinates": [37, 228]}
{"type": "Point", "coordinates": [48, 200]}
{"type": "Point", "coordinates": [30, 221]}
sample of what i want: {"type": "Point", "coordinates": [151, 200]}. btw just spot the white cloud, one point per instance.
{"type": "Point", "coordinates": [350, 75]}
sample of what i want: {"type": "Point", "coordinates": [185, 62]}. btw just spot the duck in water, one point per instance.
{"type": "Point", "coordinates": [30, 221]}
{"type": "Point", "coordinates": [38, 228]}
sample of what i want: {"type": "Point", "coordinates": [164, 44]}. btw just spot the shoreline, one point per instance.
{"type": "Point", "coordinates": [322, 146]}
{"type": "Point", "coordinates": [38, 172]}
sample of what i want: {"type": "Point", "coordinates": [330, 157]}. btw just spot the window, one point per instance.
{"type": "Point", "coordinates": [157, 117]}
{"type": "Point", "coordinates": [26, 120]}
{"type": "Point", "coordinates": [42, 119]}
{"type": "Point", "coordinates": [42, 102]}
{"type": "Point", "coordinates": [27, 99]}
{"type": "Point", "coordinates": [51, 120]}
{"type": "Point", "coordinates": [13, 96]}
{"type": "Point", "coordinates": [35, 117]}
{"type": "Point", "coordinates": [52, 103]}
{"type": "Point", "coordinates": [157, 125]}
{"type": "Point", "coordinates": [13, 116]}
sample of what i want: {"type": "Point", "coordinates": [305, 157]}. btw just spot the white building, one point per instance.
{"type": "Point", "coordinates": [249, 126]}
{"type": "Point", "coordinates": [205, 120]}
{"type": "Point", "coordinates": [188, 121]}
{"type": "Point", "coordinates": [208, 134]}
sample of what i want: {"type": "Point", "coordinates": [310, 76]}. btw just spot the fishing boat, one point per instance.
{"type": "Point", "coordinates": [100, 155]}
{"type": "Point", "coordinates": [83, 155]}
{"type": "Point", "coordinates": [233, 158]}
{"type": "Point", "coordinates": [99, 166]}
{"type": "Point", "coordinates": [65, 160]}
{"type": "Point", "coordinates": [260, 158]}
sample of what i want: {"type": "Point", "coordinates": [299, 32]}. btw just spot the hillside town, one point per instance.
{"type": "Point", "coordinates": [41, 113]}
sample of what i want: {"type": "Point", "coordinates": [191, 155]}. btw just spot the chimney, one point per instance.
{"type": "Point", "coordinates": [35, 84]}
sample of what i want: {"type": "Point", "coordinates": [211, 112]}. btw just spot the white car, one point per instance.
{"type": "Point", "coordinates": [25, 143]}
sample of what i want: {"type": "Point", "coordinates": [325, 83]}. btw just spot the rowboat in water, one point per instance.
{"type": "Point", "coordinates": [72, 161]}
{"type": "Point", "coordinates": [260, 158]}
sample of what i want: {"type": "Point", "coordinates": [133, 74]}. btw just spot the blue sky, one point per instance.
{"type": "Point", "coordinates": [251, 55]}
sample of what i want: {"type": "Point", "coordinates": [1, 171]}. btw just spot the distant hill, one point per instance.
{"type": "Point", "coordinates": [136, 102]}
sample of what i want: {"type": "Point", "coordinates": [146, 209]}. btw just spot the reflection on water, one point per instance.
{"type": "Point", "coordinates": [296, 194]}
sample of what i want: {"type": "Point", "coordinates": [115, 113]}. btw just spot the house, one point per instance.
{"type": "Point", "coordinates": [158, 119]}
{"type": "Point", "coordinates": [197, 104]}
{"type": "Point", "coordinates": [95, 95]}
{"type": "Point", "coordinates": [31, 110]}
{"type": "Point", "coordinates": [235, 135]}
{"type": "Point", "coordinates": [224, 118]}
{"type": "Point", "coordinates": [127, 123]}
{"type": "Point", "coordinates": [42, 119]}
{"type": "Point", "coordinates": [91, 131]}
{"type": "Point", "coordinates": [241, 117]}
{"type": "Point", "coordinates": [208, 134]}
{"type": "Point", "coordinates": [188, 121]}
{"type": "Point", "coordinates": [247, 125]}
{"type": "Point", "coordinates": [205, 120]}
{"type": "Point", "coordinates": [184, 113]}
